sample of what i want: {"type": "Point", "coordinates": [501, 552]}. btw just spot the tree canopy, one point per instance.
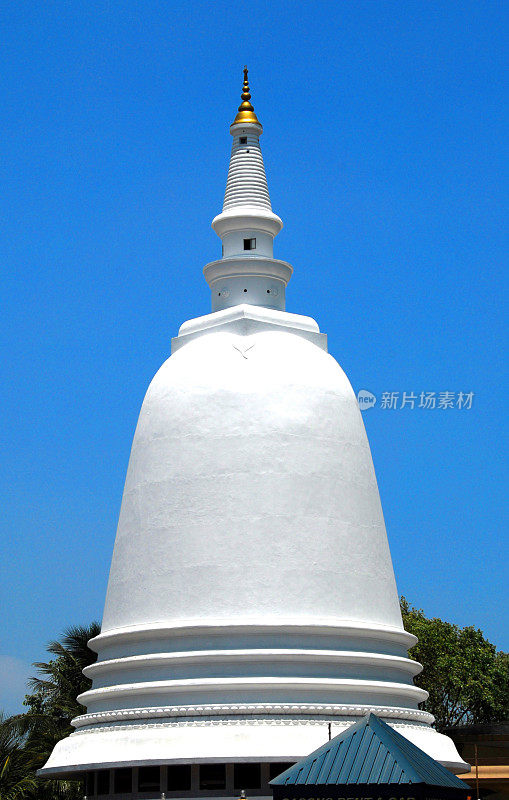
{"type": "Point", "coordinates": [466, 676]}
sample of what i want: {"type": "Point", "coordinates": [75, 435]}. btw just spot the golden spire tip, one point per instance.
{"type": "Point", "coordinates": [246, 110]}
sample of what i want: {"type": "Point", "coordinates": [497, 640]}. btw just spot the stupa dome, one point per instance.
{"type": "Point", "coordinates": [249, 466]}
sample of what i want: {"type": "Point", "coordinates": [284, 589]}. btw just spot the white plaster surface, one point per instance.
{"type": "Point", "coordinates": [288, 740]}
{"type": "Point", "coordinates": [250, 493]}
{"type": "Point", "coordinates": [251, 596]}
{"type": "Point", "coordinates": [295, 321]}
{"type": "Point", "coordinates": [246, 182]}
{"type": "Point", "coordinates": [251, 276]}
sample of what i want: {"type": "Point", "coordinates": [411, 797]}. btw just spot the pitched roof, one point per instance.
{"type": "Point", "coordinates": [369, 752]}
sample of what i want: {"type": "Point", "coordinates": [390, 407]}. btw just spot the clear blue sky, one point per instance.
{"type": "Point", "coordinates": [385, 151]}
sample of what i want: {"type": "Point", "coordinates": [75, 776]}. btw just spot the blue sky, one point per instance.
{"type": "Point", "coordinates": [385, 151]}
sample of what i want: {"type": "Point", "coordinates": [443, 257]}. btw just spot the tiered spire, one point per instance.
{"type": "Point", "coordinates": [247, 271]}
{"type": "Point", "coordinates": [247, 183]}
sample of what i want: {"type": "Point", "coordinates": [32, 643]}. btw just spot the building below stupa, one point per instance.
{"type": "Point", "coordinates": [251, 607]}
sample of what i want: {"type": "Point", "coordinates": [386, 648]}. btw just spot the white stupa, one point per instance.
{"type": "Point", "coordinates": [251, 600]}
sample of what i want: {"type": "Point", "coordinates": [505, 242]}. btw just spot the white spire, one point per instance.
{"type": "Point", "coordinates": [247, 271]}
{"type": "Point", "coordinates": [247, 182]}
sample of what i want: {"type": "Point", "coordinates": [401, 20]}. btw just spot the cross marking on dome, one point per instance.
{"type": "Point", "coordinates": [244, 350]}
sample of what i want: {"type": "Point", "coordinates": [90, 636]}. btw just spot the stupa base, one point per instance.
{"type": "Point", "coordinates": [221, 741]}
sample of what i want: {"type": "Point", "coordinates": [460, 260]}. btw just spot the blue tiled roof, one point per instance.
{"type": "Point", "coordinates": [370, 752]}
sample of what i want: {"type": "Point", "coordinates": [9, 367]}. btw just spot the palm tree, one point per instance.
{"type": "Point", "coordinates": [51, 707]}
{"type": "Point", "coordinates": [15, 777]}
{"type": "Point", "coordinates": [63, 677]}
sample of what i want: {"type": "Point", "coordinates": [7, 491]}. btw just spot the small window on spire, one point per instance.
{"type": "Point", "coordinates": [249, 244]}
{"type": "Point", "coordinates": [243, 140]}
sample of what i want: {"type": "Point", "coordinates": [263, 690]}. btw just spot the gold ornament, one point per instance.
{"type": "Point", "coordinates": [246, 110]}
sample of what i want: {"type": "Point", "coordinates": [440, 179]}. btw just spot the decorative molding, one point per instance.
{"type": "Point", "coordinates": [255, 656]}
{"type": "Point", "coordinates": [238, 218]}
{"type": "Point", "coordinates": [239, 267]}
{"type": "Point", "coordinates": [269, 316]}
{"type": "Point", "coordinates": [257, 721]}
{"type": "Point", "coordinates": [276, 709]}
{"type": "Point", "coordinates": [228, 627]}
{"type": "Point", "coordinates": [341, 687]}
{"type": "Point", "coordinates": [245, 320]}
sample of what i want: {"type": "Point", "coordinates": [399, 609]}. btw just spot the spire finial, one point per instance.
{"type": "Point", "coordinates": [246, 110]}
{"type": "Point", "coordinates": [245, 89]}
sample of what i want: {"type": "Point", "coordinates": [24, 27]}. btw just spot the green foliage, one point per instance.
{"type": "Point", "coordinates": [15, 777]}
{"type": "Point", "coordinates": [50, 708]}
{"type": "Point", "coordinates": [466, 677]}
